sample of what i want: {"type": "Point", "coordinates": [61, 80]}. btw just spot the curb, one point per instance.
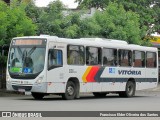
{"type": "Point", "coordinates": [4, 93]}
{"type": "Point", "coordinates": [156, 89]}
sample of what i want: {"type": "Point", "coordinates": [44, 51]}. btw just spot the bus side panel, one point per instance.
{"type": "Point", "coordinates": [113, 86]}
{"type": "Point", "coordinates": [151, 79]}
{"type": "Point", "coordinates": [42, 88]}
{"type": "Point", "coordinates": [96, 86]}
{"type": "Point", "coordinates": [56, 80]}
{"type": "Point", "coordinates": [85, 87]}
{"type": "Point", "coordinates": [145, 85]}
{"type": "Point", "coordinates": [54, 87]}
{"type": "Point", "coordinates": [102, 87]}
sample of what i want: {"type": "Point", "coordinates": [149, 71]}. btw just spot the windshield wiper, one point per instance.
{"type": "Point", "coordinates": [19, 51]}
{"type": "Point", "coordinates": [31, 51]}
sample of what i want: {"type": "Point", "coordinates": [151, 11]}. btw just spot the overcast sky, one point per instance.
{"type": "Point", "coordinates": [69, 3]}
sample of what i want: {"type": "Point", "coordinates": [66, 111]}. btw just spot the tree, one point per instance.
{"type": "Point", "coordinates": [92, 3]}
{"type": "Point", "coordinates": [3, 22]}
{"type": "Point", "coordinates": [32, 11]}
{"type": "Point", "coordinates": [54, 21]}
{"type": "Point", "coordinates": [117, 23]}
{"type": "Point", "coordinates": [14, 22]}
{"type": "Point", "coordinates": [156, 8]}
{"type": "Point", "coordinates": [70, 25]}
{"type": "Point", "coordinates": [50, 19]}
{"type": "Point", "coordinates": [89, 27]}
{"type": "Point", "coordinates": [148, 11]}
{"type": "Point", "coordinates": [114, 23]}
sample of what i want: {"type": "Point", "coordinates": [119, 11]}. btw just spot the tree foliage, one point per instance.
{"type": "Point", "coordinates": [117, 23]}
{"type": "Point", "coordinates": [148, 11]}
{"type": "Point", "coordinates": [120, 19]}
{"type": "Point", "coordinates": [114, 23]}
{"type": "Point", "coordinates": [50, 19]}
{"type": "Point", "coordinates": [3, 22]}
{"type": "Point", "coordinates": [92, 3]}
{"type": "Point", "coordinates": [32, 11]}
{"type": "Point", "coordinates": [14, 22]}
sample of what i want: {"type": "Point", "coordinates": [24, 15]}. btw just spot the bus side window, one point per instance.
{"type": "Point", "coordinates": [75, 55]}
{"type": "Point", "coordinates": [125, 57]}
{"type": "Point", "coordinates": [151, 60]}
{"type": "Point", "coordinates": [93, 55]}
{"type": "Point", "coordinates": [129, 58]}
{"type": "Point", "coordinates": [54, 58]}
{"type": "Point", "coordinates": [109, 57]}
{"type": "Point", "coordinates": [139, 58]}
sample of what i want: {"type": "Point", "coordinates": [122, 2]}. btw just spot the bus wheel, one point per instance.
{"type": "Point", "coordinates": [99, 94]}
{"type": "Point", "coordinates": [37, 96]}
{"type": "Point", "coordinates": [70, 91]}
{"type": "Point", "coordinates": [130, 90]}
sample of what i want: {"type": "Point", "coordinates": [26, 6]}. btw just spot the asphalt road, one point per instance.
{"type": "Point", "coordinates": [143, 101]}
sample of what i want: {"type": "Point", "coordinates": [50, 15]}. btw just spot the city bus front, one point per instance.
{"type": "Point", "coordinates": [26, 64]}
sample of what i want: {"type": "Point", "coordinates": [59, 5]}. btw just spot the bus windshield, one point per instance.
{"type": "Point", "coordinates": [26, 60]}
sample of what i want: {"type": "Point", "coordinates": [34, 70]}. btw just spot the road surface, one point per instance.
{"type": "Point", "coordinates": [143, 101]}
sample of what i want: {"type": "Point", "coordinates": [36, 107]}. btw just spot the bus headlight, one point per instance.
{"type": "Point", "coordinates": [39, 80]}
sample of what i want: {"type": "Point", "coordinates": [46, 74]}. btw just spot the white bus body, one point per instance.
{"type": "Point", "coordinates": [68, 77]}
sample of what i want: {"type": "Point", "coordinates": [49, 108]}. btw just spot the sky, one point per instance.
{"type": "Point", "coordinates": [68, 3]}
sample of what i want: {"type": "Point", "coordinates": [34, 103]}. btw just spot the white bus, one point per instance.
{"type": "Point", "coordinates": [46, 65]}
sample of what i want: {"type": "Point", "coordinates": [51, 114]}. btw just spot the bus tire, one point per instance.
{"type": "Point", "coordinates": [99, 94]}
{"type": "Point", "coordinates": [129, 91]}
{"type": "Point", "coordinates": [37, 96]}
{"type": "Point", "coordinates": [70, 92]}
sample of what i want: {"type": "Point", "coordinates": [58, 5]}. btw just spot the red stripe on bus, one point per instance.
{"type": "Point", "coordinates": [92, 73]}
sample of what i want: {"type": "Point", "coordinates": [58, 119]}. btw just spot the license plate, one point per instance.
{"type": "Point", "coordinates": [27, 93]}
{"type": "Point", "coordinates": [21, 90]}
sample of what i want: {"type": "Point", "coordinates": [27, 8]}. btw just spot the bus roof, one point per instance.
{"type": "Point", "coordinates": [101, 42]}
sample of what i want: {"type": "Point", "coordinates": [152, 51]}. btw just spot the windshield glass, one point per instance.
{"type": "Point", "coordinates": [26, 59]}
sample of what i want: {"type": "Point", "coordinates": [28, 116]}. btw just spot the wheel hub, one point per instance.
{"type": "Point", "coordinates": [70, 90]}
{"type": "Point", "coordinates": [130, 89]}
